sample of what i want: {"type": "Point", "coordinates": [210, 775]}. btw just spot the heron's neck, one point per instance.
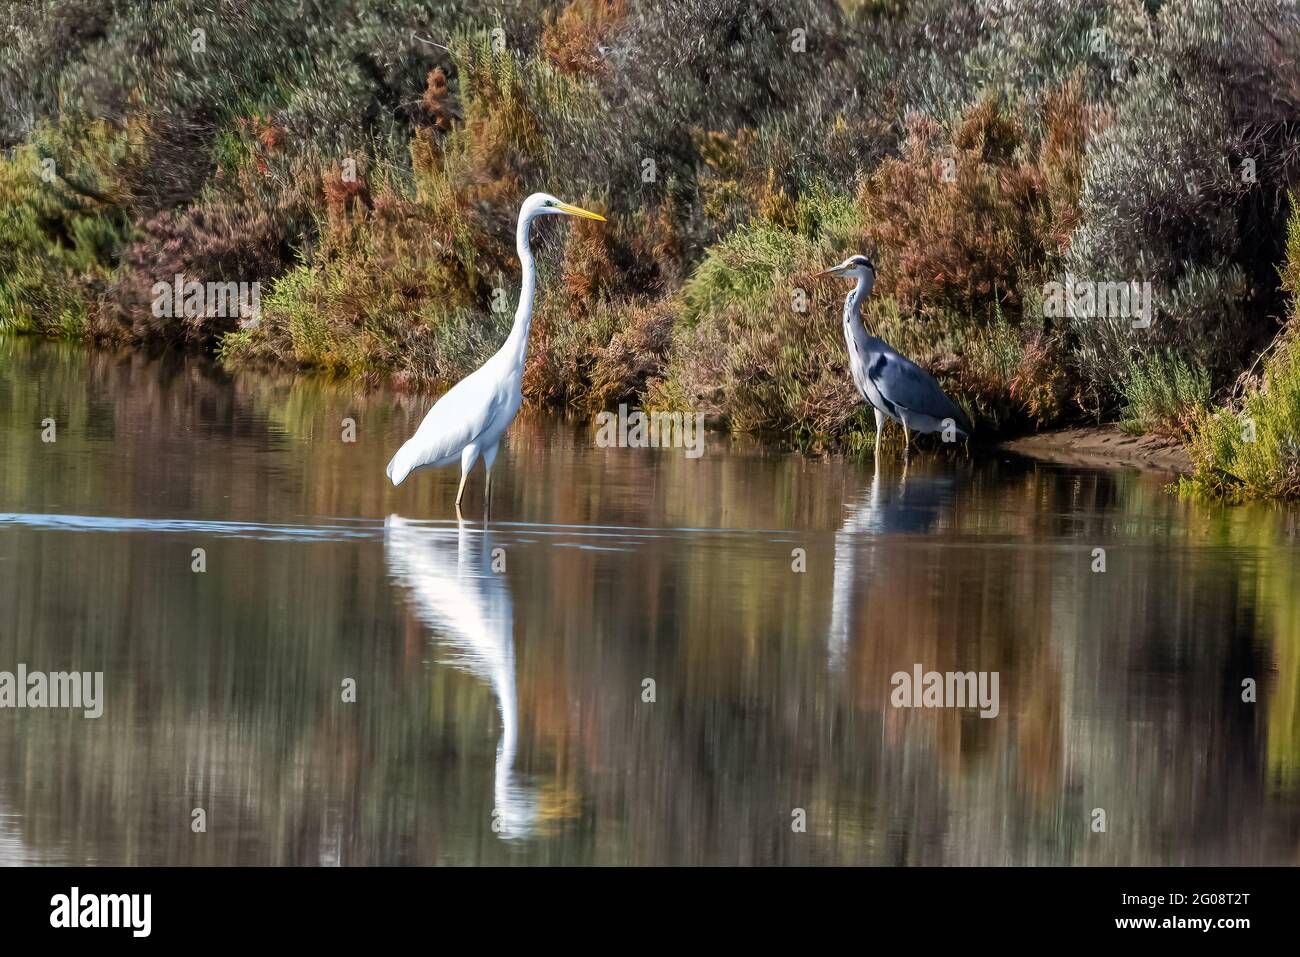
{"type": "Point", "coordinates": [853, 305]}
{"type": "Point", "coordinates": [516, 346]}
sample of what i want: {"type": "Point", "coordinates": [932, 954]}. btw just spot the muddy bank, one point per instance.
{"type": "Point", "coordinates": [1104, 445]}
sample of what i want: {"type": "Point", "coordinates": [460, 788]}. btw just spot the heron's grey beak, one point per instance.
{"type": "Point", "coordinates": [579, 211]}
{"type": "Point", "coordinates": [832, 271]}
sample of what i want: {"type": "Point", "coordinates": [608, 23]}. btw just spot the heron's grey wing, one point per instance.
{"type": "Point", "coordinates": [905, 384]}
{"type": "Point", "coordinates": [863, 352]}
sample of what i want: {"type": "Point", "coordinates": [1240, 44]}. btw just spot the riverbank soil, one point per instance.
{"type": "Point", "coordinates": [1104, 445]}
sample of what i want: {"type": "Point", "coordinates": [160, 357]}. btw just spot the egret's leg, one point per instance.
{"type": "Point", "coordinates": [460, 492]}
{"type": "Point", "coordinates": [489, 456]}
{"type": "Point", "coordinates": [467, 460]}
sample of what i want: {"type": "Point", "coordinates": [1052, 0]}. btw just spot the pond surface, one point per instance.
{"type": "Point", "coordinates": [500, 673]}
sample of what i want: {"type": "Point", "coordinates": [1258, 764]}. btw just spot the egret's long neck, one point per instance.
{"type": "Point", "coordinates": [853, 304]}
{"type": "Point", "coordinates": [516, 346]}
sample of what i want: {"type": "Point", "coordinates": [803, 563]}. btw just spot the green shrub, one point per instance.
{"type": "Point", "coordinates": [63, 200]}
{"type": "Point", "coordinates": [1165, 394]}
{"type": "Point", "coordinates": [1253, 451]}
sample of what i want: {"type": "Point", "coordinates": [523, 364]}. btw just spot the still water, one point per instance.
{"type": "Point", "coordinates": [501, 672]}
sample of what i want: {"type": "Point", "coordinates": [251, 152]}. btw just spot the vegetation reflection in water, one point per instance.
{"type": "Point", "coordinates": [499, 714]}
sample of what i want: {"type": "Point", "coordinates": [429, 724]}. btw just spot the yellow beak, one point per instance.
{"type": "Point", "coordinates": [579, 211]}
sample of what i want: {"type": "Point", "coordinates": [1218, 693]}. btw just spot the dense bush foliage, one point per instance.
{"type": "Point", "coordinates": [364, 161]}
{"type": "Point", "coordinates": [1250, 448]}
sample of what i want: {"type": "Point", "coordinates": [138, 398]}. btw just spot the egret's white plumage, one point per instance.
{"type": "Point", "coordinates": [469, 420]}
{"type": "Point", "coordinates": [895, 386]}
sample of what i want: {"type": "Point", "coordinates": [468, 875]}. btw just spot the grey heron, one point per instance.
{"type": "Point", "coordinates": [894, 386]}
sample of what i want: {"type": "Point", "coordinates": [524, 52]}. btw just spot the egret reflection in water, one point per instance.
{"type": "Point", "coordinates": [909, 504]}
{"type": "Point", "coordinates": [467, 605]}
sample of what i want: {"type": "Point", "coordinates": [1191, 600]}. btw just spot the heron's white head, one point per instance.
{"type": "Point", "coordinates": [544, 204]}
{"type": "Point", "coordinates": [855, 267]}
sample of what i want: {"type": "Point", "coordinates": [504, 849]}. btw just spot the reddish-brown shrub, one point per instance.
{"type": "Point", "coordinates": [955, 220]}
{"type": "Point", "coordinates": [572, 39]}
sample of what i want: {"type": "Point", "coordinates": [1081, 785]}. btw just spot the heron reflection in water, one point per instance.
{"type": "Point", "coordinates": [468, 607]}
{"type": "Point", "coordinates": [909, 504]}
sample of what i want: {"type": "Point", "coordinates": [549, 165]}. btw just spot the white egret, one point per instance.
{"type": "Point", "coordinates": [895, 386]}
{"type": "Point", "coordinates": [469, 420]}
